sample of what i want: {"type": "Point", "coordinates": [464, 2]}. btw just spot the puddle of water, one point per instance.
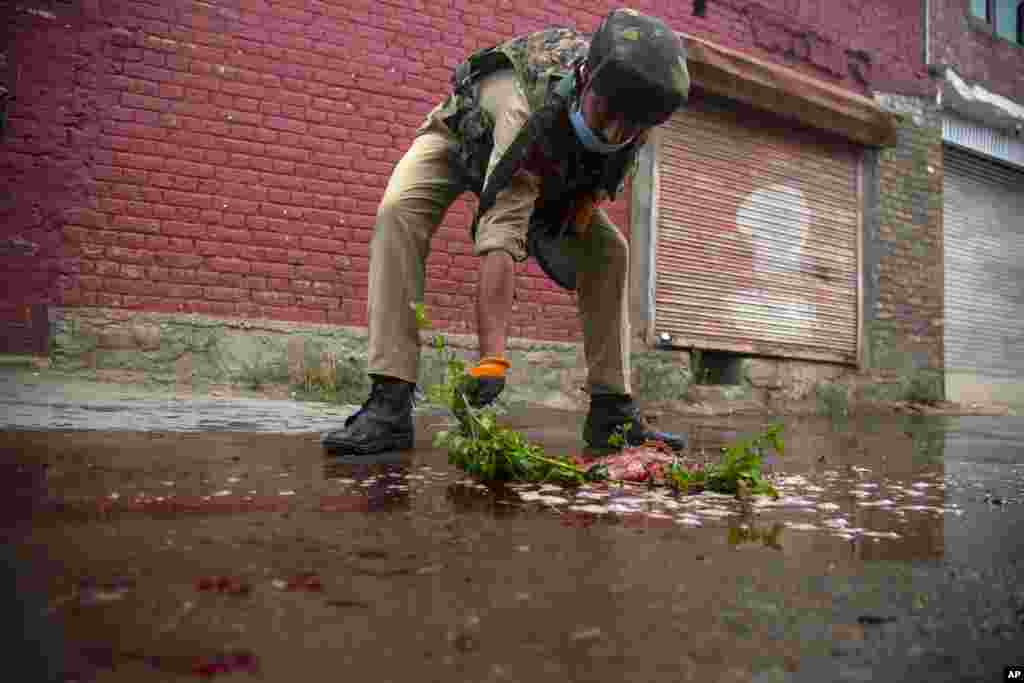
{"type": "Point", "coordinates": [545, 582]}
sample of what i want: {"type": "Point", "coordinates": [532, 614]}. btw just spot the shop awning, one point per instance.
{"type": "Point", "coordinates": [788, 93]}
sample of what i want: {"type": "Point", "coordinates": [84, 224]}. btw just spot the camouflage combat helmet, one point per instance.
{"type": "Point", "coordinates": [639, 64]}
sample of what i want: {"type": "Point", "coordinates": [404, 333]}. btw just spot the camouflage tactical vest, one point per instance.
{"type": "Point", "coordinates": [544, 64]}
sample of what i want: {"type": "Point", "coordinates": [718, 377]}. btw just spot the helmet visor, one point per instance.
{"type": "Point", "coordinates": [639, 101]}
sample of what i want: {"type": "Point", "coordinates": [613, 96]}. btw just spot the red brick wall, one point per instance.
{"type": "Point", "coordinates": [228, 159]}
{"type": "Point", "coordinates": [976, 53]}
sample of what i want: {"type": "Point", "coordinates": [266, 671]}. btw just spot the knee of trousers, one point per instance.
{"type": "Point", "coordinates": [616, 253]}
{"type": "Point", "coordinates": [411, 215]}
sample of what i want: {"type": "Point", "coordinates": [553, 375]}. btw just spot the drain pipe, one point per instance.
{"type": "Point", "coordinates": [927, 32]}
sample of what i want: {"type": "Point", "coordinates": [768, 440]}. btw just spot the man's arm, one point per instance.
{"type": "Point", "coordinates": [494, 301]}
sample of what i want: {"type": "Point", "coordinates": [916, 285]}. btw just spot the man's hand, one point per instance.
{"type": "Point", "coordinates": [582, 213]}
{"type": "Point", "coordinates": [486, 380]}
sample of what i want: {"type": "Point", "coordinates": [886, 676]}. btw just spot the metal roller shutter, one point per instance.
{"type": "Point", "coordinates": [983, 212]}
{"type": "Point", "coordinates": [758, 236]}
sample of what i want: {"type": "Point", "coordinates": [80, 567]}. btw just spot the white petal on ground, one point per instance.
{"type": "Point", "coordinates": [713, 495]}
{"type": "Point", "coordinates": [593, 509]}
{"type": "Point", "coordinates": [586, 634]}
{"type": "Point", "coordinates": [860, 469]}
{"type": "Point", "coordinates": [547, 488]}
{"type": "Point", "coordinates": [876, 503]}
{"type": "Point", "coordinates": [828, 507]}
{"type": "Point", "coordinates": [882, 534]}
{"type": "Point", "coordinates": [553, 500]}
{"type": "Point", "coordinates": [629, 500]}
{"type": "Point", "coordinates": [286, 493]}
{"type": "Point", "coordinates": [836, 523]}
{"type": "Point", "coordinates": [689, 520]}
{"type": "Point", "coordinates": [786, 502]}
{"type": "Point", "coordinates": [801, 526]}
{"type": "Point", "coordinates": [717, 512]}
{"type": "Point", "coordinates": [530, 496]}
{"type": "Point", "coordinates": [221, 494]}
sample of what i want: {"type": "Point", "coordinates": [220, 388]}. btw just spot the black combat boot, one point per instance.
{"type": "Point", "coordinates": [608, 412]}
{"type": "Point", "coordinates": [384, 423]}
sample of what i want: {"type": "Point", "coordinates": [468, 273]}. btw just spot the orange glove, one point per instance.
{"type": "Point", "coordinates": [489, 380]}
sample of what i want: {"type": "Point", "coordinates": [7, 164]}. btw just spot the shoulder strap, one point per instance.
{"type": "Point", "coordinates": [536, 125]}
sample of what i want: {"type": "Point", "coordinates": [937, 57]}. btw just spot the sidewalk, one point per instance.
{"type": "Point", "coordinates": [43, 400]}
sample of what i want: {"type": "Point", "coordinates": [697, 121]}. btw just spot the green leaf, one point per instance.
{"type": "Point", "coordinates": [597, 472]}
{"type": "Point", "coordinates": [422, 320]}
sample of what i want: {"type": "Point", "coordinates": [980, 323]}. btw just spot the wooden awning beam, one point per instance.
{"type": "Point", "coordinates": [788, 93]}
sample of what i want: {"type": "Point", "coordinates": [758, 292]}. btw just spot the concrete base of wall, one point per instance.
{"type": "Point", "coordinates": [194, 353]}
{"type": "Point", "coordinates": [970, 387]}
{"type": "Point", "coordinates": [199, 355]}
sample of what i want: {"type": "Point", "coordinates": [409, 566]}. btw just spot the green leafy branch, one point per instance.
{"type": "Point", "coordinates": [481, 447]}
{"type": "Point", "coordinates": [739, 470]}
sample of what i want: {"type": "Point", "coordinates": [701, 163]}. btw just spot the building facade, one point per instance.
{"type": "Point", "coordinates": [976, 52]}
{"type": "Point", "coordinates": [180, 178]}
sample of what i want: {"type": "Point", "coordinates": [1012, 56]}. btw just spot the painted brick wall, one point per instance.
{"type": "Point", "coordinates": [903, 245]}
{"type": "Point", "coordinates": [974, 51]}
{"type": "Point", "coordinates": [228, 158]}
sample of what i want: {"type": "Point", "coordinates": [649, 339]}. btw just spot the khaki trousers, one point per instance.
{"type": "Point", "coordinates": [423, 186]}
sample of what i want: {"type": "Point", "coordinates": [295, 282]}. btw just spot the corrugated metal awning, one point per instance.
{"type": "Point", "coordinates": [757, 236]}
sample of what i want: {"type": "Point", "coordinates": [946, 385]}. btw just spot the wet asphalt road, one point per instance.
{"type": "Point", "coordinates": [895, 554]}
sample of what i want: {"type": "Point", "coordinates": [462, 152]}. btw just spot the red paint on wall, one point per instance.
{"type": "Point", "coordinates": [974, 51]}
{"type": "Point", "coordinates": [228, 159]}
